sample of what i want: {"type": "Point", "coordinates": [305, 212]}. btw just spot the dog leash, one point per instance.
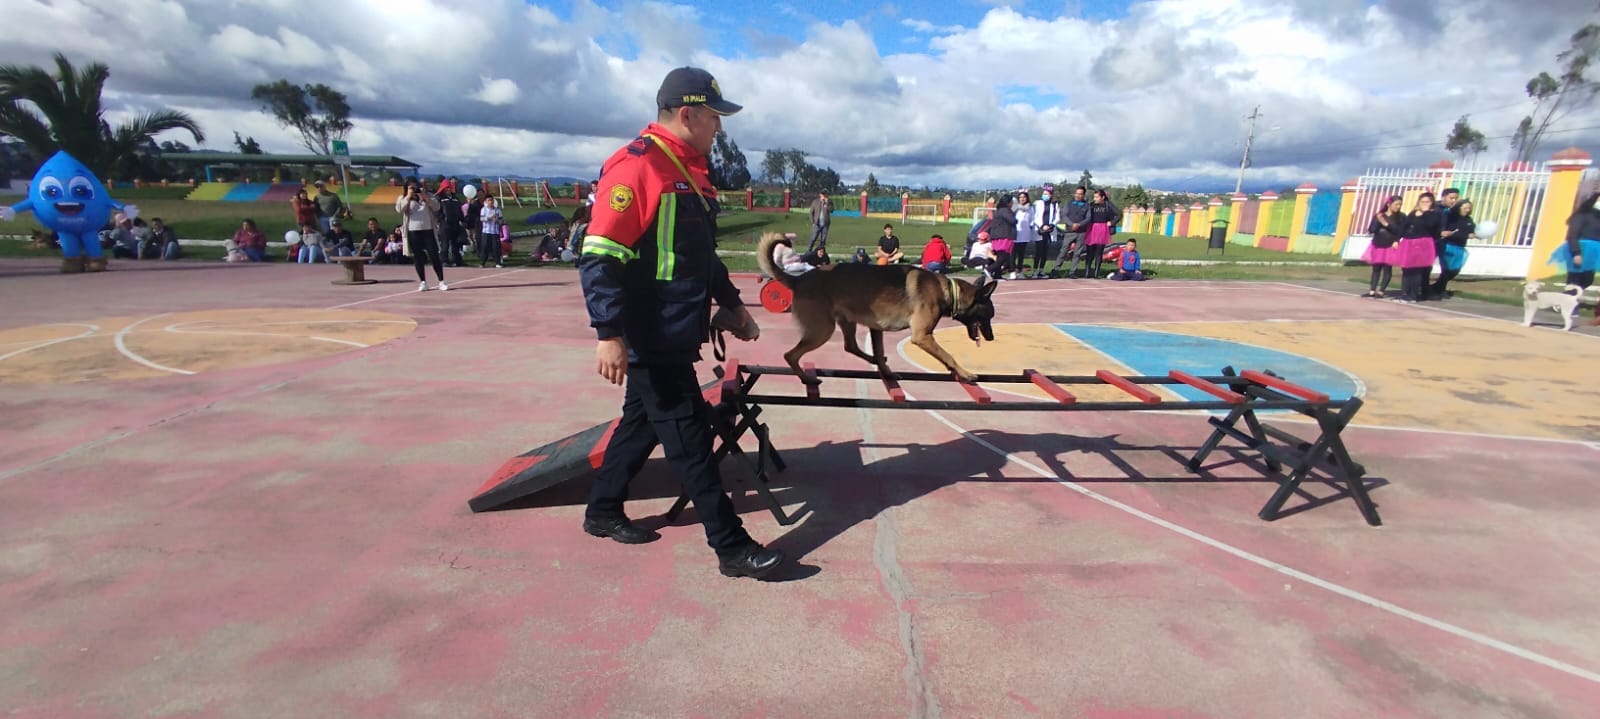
{"type": "Point", "coordinates": [719, 344]}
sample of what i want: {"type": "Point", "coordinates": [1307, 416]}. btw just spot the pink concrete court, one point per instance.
{"type": "Point", "coordinates": [240, 491]}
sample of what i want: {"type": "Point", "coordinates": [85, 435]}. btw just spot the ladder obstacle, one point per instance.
{"type": "Point", "coordinates": [737, 408]}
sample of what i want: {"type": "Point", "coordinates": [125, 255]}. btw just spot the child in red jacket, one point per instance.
{"type": "Point", "coordinates": [936, 256]}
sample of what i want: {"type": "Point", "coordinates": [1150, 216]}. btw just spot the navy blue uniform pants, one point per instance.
{"type": "Point", "coordinates": [664, 405]}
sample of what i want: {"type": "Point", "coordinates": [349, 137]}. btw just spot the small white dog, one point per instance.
{"type": "Point", "coordinates": [235, 254]}
{"type": "Point", "coordinates": [1562, 303]}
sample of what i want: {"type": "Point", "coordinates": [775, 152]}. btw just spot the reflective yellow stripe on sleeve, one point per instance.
{"type": "Point", "coordinates": [666, 227]}
{"type": "Point", "coordinates": [598, 245]}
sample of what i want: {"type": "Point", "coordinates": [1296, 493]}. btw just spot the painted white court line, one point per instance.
{"type": "Point", "coordinates": [1291, 572]}
{"type": "Point", "coordinates": [415, 291]}
{"type": "Point", "coordinates": [122, 346]}
{"type": "Point", "coordinates": [1187, 287]}
{"type": "Point", "coordinates": [173, 328]}
{"type": "Point", "coordinates": [93, 330]}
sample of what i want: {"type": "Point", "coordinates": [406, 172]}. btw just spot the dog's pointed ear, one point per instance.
{"type": "Point", "coordinates": [986, 286]}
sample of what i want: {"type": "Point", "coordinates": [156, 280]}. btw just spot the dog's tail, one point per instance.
{"type": "Point", "coordinates": [769, 241]}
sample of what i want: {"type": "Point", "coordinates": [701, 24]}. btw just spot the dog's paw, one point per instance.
{"type": "Point", "coordinates": [966, 377]}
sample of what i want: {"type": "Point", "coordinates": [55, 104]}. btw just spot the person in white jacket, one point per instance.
{"type": "Point", "coordinates": [419, 224]}
{"type": "Point", "coordinates": [1027, 231]}
{"type": "Point", "coordinates": [1046, 214]}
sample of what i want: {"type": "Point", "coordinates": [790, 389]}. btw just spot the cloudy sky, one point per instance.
{"type": "Point", "coordinates": [961, 93]}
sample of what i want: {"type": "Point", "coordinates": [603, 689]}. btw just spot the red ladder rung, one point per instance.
{"type": "Point", "coordinates": [891, 383]}
{"type": "Point", "coordinates": [1049, 387]}
{"type": "Point", "coordinates": [1305, 393]}
{"type": "Point", "coordinates": [1210, 388]}
{"type": "Point", "coordinates": [1122, 383]}
{"type": "Point", "coordinates": [730, 380]}
{"type": "Point", "coordinates": [975, 392]}
{"type": "Point", "coordinates": [813, 387]}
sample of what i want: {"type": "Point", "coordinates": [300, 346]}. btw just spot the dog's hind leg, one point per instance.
{"type": "Point", "coordinates": [882, 360]}
{"type": "Point", "coordinates": [816, 328]}
{"type": "Point", "coordinates": [851, 342]}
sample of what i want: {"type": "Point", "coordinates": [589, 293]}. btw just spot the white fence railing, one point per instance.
{"type": "Point", "coordinates": [1512, 199]}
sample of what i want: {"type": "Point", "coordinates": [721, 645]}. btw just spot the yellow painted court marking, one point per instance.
{"type": "Point", "coordinates": [1481, 376]}
{"type": "Point", "coordinates": [1474, 376]}
{"type": "Point", "coordinates": [115, 348]}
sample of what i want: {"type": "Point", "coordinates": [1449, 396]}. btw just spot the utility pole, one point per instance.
{"type": "Point", "coordinates": [1245, 161]}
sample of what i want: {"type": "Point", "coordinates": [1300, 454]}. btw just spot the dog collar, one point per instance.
{"type": "Point", "coordinates": [955, 297]}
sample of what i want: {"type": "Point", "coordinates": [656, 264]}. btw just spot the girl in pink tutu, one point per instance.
{"type": "Point", "coordinates": [1102, 217]}
{"type": "Point", "coordinates": [1002, 236]}
{"type": "Point", "coordinates": [1385, 231]}
{"type": "Point", "coordinates": [1415, 251]}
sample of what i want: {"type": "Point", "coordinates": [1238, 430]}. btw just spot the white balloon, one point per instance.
{"type": "Point", "coordinates": [291, 237]}
{"type": "Point", "coordinates": [469, 191]}
{"type": "Point", "coordinates": [1486, 230]}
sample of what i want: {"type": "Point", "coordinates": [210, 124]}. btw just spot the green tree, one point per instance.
{"type": "Point", "coordinates": [729, 169]}
{"type": "Point", "coordinates": [1464, 140]}
{"type": "Point", "coordinates": [775, 167]}
{"type": "Point", "coordinates": [1555, 97]}
{"type": "Point", "coordinates": [246, 145]}
{"type": "Point", "coordinates": [318, 112]}
{"type": "Point", "coordinates": [1131, 196]}
{"type": "Point", "coordinates": [63, 112]}
{"type": "Point", "coordinates": [871, 186]}
{"type": "Point", "coordinates": [1086, 181]}
{"type": "Point", "coordinates": [813, 179]}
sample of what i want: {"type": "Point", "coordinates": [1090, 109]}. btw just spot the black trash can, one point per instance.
{"type": "Point", "coordinates": [1219, 237]}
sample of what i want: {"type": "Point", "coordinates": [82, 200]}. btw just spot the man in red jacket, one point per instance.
{"type": "Point", "coordinates": [936, 256]}
{"type": "Point", "coordinates": [650, 272]}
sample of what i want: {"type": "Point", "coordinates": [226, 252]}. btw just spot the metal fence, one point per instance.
{"type": "Point", "coordinates": [1511, 199]}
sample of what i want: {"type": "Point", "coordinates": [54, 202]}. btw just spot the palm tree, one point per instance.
{"type": "Point", "coordinates": [66, 115]}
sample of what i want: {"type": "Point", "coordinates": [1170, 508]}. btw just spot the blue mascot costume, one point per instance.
{"type": "Point", "coordinates": [69, 200]}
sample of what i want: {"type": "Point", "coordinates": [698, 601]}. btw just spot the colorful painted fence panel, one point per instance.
{"type": "Point", "coordinates": [1280, 218]}
{"type": "Point", "coordinates": [1248, 213]}
{"type": "Point", "coordinates": [1322, 215]}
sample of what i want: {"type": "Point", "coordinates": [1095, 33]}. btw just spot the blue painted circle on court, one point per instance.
{"type": "Point", "coordinates": [1151, 352]}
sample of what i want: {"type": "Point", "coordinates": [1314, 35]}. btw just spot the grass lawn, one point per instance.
{"type": "Point", "coordinates": [739, 232]}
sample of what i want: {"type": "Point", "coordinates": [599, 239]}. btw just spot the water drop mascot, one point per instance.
{"type": "Point", "coordinates": [68, 199]}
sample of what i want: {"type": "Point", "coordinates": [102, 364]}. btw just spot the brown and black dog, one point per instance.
{"type": "Point", "coordinates": [882, 299]}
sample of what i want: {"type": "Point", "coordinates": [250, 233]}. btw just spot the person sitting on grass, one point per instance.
{"type": "Point", "coordinates": [163, 242]}
{"type": "Point", "coordinates": [936, 255]}
{"type": "Point", "coordinates": [310, 251]}
{"type": "Point", "coordinates": [1128, 263]}
{"type": "Point", "coordinates": [980, 254]}
{"type": "Point", "coordinates": [889, 247]}
{"type": "Point", "coordinates": [787, 259]}
{"type": "Point", "coordinates": [251, 241]}
{"type": "Point", "coordinates": [340, 242]}
{"type": "Point", "coordinates": [372, 242]}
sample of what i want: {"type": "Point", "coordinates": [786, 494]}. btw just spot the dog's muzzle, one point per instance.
{"type": "Point", "coordinates": [974, 329]}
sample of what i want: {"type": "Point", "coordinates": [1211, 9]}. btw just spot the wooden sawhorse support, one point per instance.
{"type": "Point", "coordinates": [1241, 395]}
{"type": "Point", "coordinates": [1327, 450]}
{"type": "Point", "coordinates": [732, 418]}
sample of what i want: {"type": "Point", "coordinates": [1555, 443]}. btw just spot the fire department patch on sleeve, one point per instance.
{"type": "Point", "coordinates": [621, 198]}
